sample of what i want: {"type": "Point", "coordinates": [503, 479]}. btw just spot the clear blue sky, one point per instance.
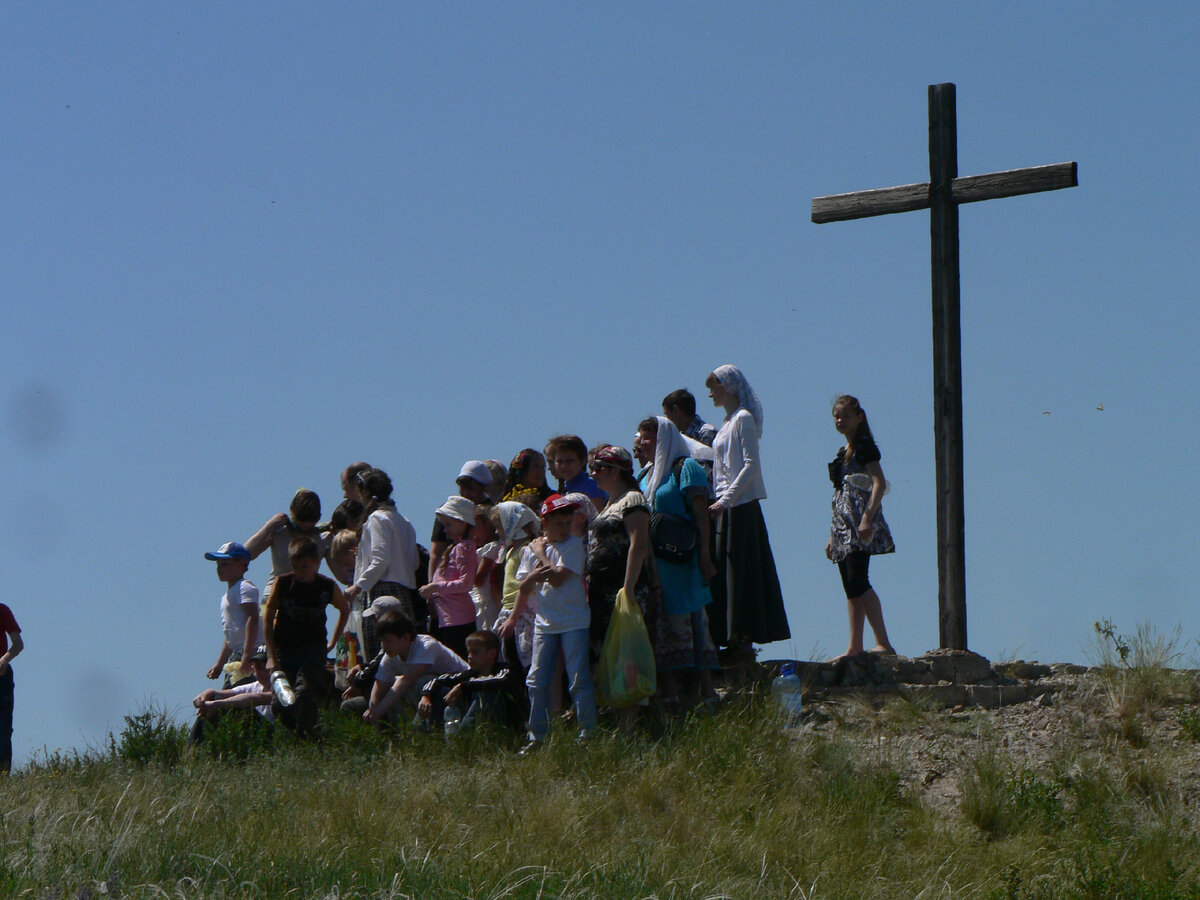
{"type": "Point", "coordinates": [246, 244]}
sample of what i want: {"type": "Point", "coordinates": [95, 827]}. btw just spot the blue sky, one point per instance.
{"type": "Point", "coordinates": [245, 245]}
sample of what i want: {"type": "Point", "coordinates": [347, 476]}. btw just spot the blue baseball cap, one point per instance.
{"type": "Point", "coordinates": [232, 550]}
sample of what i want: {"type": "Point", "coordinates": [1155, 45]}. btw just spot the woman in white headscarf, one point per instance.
{"type": "Point", "coordinates": [747, 601]}
{"type": "Point", "coordinates": [677, 485]}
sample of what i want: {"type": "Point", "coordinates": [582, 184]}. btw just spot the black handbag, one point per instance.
{"type": "Point", "coordinates": [673, 538]}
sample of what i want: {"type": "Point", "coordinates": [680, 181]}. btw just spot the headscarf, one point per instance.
{"type": "Point", "coordinates": [585, 504]}
{"type": "Point", "coordinates": [514, 517]}
{"type": "Point", "coordinates": [735, 382]}
{"type": "Point", "coordinates": [670, 446]}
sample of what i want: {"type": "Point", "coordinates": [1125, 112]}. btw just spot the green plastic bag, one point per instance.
{"type": "Point", "coordinates": [625, 673]}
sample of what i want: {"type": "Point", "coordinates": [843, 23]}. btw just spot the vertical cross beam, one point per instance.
{"type": "Point", "coordinates": [947, 368]}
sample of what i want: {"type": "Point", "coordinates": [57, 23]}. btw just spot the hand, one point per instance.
{"type": "Point", "coordinates": [370, 717]}
{"type": "Point", "coordinates": [351, 692]}
{"type": "Point", "coordinates": [214, 672]}
{"type": "Point", "coordinates": [829, 549]}
{"type": "Point", "coordinates": [427, 591]}
{"type": "Point", "coordinates": [865, 528]}
{"type": "Point", "coordinates": [507, 629]}
{"type": "Point", "coordinates": [425, 707]}
{"type": "Point", "coordinates": [715, 510]}
{"type": "Point", "coordinates": [708, 569]}
{"type": "Point", "coordinates": [454, 695]}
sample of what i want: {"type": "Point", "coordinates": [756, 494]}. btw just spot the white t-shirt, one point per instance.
{"type": "Point", "coordinates": [233, 616]}
{"type": "Point", "coordinates": [426, 650]}
{"type": "Point", "coordinates": [255, 687]}
{"type": "Point", "coordinates": [562, 608]}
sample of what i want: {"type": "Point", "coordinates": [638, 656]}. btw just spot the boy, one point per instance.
{"type": "Point", "coordinates": [680, 407]}
{"type": "Point", "coordinates": [10, 645]}
{"type": "Point", "coordinates": [410, 661]}
{"type": "Point", "coordinates": [294, 629]}
{"type": "Point", "coordinates": [239, 610]}
{"type": "Point", "coordinates": [255, 694]}
{"type": "Point", "coordinates": [567, 456]}
{"type": "Point", "coordinates": [562, 621]}
{"type": "Point", "coordinates": [490, 691]}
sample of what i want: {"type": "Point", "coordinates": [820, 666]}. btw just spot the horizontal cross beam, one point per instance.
{"type": "Point", "coordinates": [907, 197]}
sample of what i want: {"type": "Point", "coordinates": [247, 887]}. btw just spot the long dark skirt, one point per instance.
{"type": "Point", "coordinates": [747, 602]}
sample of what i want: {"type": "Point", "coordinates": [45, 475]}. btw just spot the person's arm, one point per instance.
{"type": "Point", "coordinates": [437, 549]}
{"type": "Point", "coordinates": [866, 527]}
{"type": "Point", "coordinates": [215, 671]}
{"type": "Point", "coordinates": [339, 603]}
{"type": "Point", "coordinates": [383, 699]}
{"type": "Point", "coordinates": [261, 539]}
{"type": "Point", "coordinates": [248, 646]}
{"type": "Point", "coordinates": [231, 700]}
{"type": "Point", "coordinates": [269, 624]}
{"type": "Point", "coordinates": [637, 526]}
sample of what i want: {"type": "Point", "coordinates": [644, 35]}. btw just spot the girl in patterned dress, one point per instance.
{"type": "Point", "coordinates": [859, 530]}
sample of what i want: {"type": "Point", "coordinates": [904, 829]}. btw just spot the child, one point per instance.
{"type": "Point", "coordinates": [488, 576]}
{"type": "Point", "coordinates": [516, 525]}
{"type": "Point", "coordinates": [280, 530]}
{"type": "Point", "coordinates": [562, 620]}
{"type": "Point", "coordinates": [449, 589]}
{"type": "Point", "coordinates": [567, 455]}
{"type": "Point", "coordinates": [680, 407]}
{"type": "Point", "coordinates": [410, 661]}
{"type": "Point", "coordinates": [10, 645]}
{"type": "Point", "coordinates": [239, 610]}
{"type": "Point", "coordinates": [858, 531]}
{"type": "Point", "coordinates": [255, 694]}
{"type": "Point", "coordinates": [343, 550]}
{"type": "Point", "coordinates": [491, 692]}
{"type": "Point", "coordinates": [294, 629]}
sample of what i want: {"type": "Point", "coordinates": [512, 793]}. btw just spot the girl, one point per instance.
{"type": "Point", "coordinates": [527, 480]}
{"type": "Point", "coordinates": [858, 531]}
{"type": "Point", "coordinates": [747, 602]}
{"type": "Point", "coordinates": [516, 525]}
{"type": "Point", "coordinates": [449, 591]}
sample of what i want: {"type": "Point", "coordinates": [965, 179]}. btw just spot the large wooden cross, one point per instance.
{"type": "Point", "coordinates": [941, 196]}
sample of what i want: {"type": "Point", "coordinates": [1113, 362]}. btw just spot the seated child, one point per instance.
{"type": "Point", "coordinates": [239, 611]}
{"type": "Point", "coordinates": [491, 692]}
{"type": "Point", "coordinates": [410, 661]}
{"type": "Point", "coordinates": [294, 628]}
{"type": "Point", "coordinates": [562, 621]}
{"type": "Point", "coordinates": [212, 705]}
{"type": "Point", "coordinates": [361, 678]}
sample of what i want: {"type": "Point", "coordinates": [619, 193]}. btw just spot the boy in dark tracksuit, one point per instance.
{"type": "Point", "coordinates": [491, 692]}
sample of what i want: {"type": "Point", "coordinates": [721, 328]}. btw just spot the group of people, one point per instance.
{"type": "Point", "coordinates": [506, 612]}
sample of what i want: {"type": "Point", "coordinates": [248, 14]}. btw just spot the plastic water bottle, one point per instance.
{"type": "Point", "coordinates": [452, 721]}
{"type": "Point", "coordinates": [786, 688]}
{"type": "Point", "coordinates": [282, 689]}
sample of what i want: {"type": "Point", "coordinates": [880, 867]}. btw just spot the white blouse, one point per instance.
{"type": "Point", "coordinates": [737, 469]}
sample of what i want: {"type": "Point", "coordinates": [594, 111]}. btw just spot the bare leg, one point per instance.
{"type": "Point", "coordinates": [854, 606]}
{"type": "Point", "coordinates": [871, 608]}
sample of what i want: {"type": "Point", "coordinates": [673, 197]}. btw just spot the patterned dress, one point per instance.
{"type": "Point", "coordinates": [851, 495]}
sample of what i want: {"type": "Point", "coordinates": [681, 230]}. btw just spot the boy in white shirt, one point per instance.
{"type": "Point", "coordinates": [554, 571]}
{"type": "Point", "coordinates": [410, 662]}
{"type": "Point", "coordinates": [239, 611]}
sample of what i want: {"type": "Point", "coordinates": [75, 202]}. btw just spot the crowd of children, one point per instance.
{"type": "Point", "coordinates": [505, 614]}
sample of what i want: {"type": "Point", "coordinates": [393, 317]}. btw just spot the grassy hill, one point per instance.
{"type": "Point", "coordinates": [1092, 796]}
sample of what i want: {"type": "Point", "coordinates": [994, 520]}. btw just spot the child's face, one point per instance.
{"type": "Point", "coordinates": [305, 569]}
{"type": "Point", "coordinates": [230, 570]}
{"type": "Point", "coordinates": [346, 558]}
{"type": "Point", "coordinates": [566, 464]}
{"type": "Point", "coordinates": [455, 528]}
{"type": "Point", "coordinates": [678, 417]}
{"type": "Point", "coordinates": [846, 421]}
{"type": "Point", "coordinates": [535, 474]}
{"type": "Point", "coordinates": [557, 525]}
{"type": "Point", "coordinates": [482, 659]}
{"type": "Point", "coordinates": [396, 645]}
{"type": "Point", "coordinates": [485, 531]}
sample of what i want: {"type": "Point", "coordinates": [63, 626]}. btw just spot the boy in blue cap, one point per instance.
{"type": "Point", "coordinates": [239, 611]}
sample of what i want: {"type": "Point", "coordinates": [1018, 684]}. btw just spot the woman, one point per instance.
{"type": "Point", "coordinates": [386, 562]}
{"type": "Point", "coordinates": [527, 479]}
{"type": "Point", "coordinates": [678, 486]}
{"type": "Point", "coordinates": [747, 601]}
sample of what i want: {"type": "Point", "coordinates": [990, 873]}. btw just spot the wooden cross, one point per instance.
{"type": "Point", "coordinates": [941, 196]}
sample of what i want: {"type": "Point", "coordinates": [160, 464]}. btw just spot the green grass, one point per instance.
{"type": "Point", "coordinates": [728, 806]}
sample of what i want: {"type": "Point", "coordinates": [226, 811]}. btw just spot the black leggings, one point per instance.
{"type": "Point", "coordinates": [854, 574]}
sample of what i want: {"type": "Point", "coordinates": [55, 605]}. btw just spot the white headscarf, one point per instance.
{"type": "Point", "coordinates": [670, 447]}
{"type": "Point", "coordinates": [514, 517]}
{"type": "Point", "coordinates": [586, 506]}
{"type": "Point", "coordinates": [735, 382]}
